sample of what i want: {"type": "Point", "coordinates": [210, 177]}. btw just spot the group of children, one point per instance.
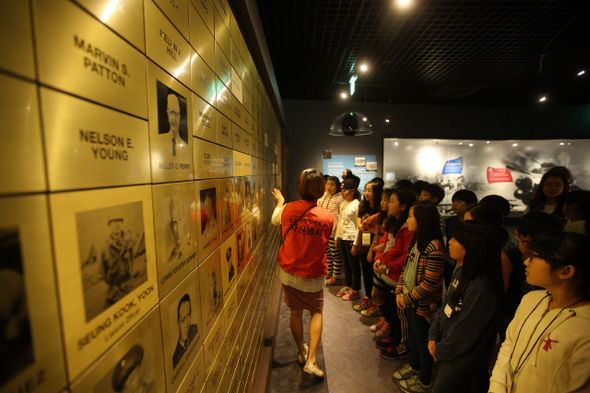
{"type": "Point", "coordinates": [533, 295]}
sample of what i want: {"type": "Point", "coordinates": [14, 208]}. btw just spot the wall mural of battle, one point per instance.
{"type": "Point", "coordinates": [512, 169]}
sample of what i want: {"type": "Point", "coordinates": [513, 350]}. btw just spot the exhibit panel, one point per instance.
{"type": "Point", "coordinates": [32, 357]}
{"type": "Point", "coordinates": [106, 267]}
{"type": "Point", "coordinates": [183, 331]}
{"type": "Point", "coordinates": [175, 229]}
{"type": "Point", "coordinates": [206, 155]}
{"type": "Point", "coordinates": [204, 120]}
{"type": "Point", "coordinates": [91, 146]}
{"type": "Point", "coordinates": [208, 237]}
{"type": "Point", "coordinates": [21, 148]}
{"type": "Point", "coordinates": [134, 364]}
{"type": "Point", "coordinates": [485, 167]}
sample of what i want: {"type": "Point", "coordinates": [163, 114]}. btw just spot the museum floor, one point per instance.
{"type": "Point", "coordinates": [347, 354]}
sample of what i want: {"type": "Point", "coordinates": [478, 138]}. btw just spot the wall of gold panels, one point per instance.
{"type": "Point", "coordinates": [139, 148]}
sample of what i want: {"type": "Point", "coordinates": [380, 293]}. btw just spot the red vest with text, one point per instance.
{"type": "Point", "coordinates": [303, 252]}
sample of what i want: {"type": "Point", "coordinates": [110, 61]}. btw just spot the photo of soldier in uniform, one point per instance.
{"type": "Point", "coordinates": [112, 254]}
{"type": "Point", "coordinates": [241, 244]}
{"type": "Point", "coordinates": [215, 292]}
{"type": "Point", "coordinates": [225, 211]}
{"type": "Point", "coordinates": [128, 376]}
{"type": "Point", "coordinates": [186, 331]}
{"type": "Point", "coordinates": [16, 348]}
{"type": "Point", "coordinates": [172, 119]}
{"type": "Point", "coordinates": [208, 212]}
{"type": "Point", "coordinates": [248, 195]}
{"type": "Point", "coordinates": [177, 227]}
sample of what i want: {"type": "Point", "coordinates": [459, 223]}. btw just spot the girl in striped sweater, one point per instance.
{"type": "Point", "coordinates": [419, 292]}
{"type": "Point", "coordinates": [331, 202]}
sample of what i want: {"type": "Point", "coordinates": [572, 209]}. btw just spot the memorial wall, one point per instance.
{"type": "Point", "coordinates": [139, 148]}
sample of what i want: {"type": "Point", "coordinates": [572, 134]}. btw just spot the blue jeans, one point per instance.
{"type": "Point", "coordinates": [451, 380]}
{"type": "Point", "coordinates": [420, 358]}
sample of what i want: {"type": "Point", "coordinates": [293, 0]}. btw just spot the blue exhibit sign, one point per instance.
{"type": "Point", "coordinates": [337, 164]}
{"type": "Point", "coordinates": [453, 167]}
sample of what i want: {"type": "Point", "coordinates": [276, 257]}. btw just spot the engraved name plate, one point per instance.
{"type": "Point", "coordinates": [183, 331]}
{"type": "Point", "coordinates": [238, 164]}
{"type": "Point", "coordinates": [223, 99]}
{"type": "Point", "coordinates": [213, 343]}
{"type": "Point", "coordinates": [106, 267]}
{"type": "Point", "coordinates": [231, 306]}
{"type": "Point", "coordinates": [207, 217]}
{"type": "Point", "coordinates": [177, 12]}
{"type": "Point", "coordinates": [206, 156]}
{"type": "Point", "coordinates": [16, 45]}
{"type": "Point", "coordinates": [89, 145]}
{"type": "Point", "coordinates": [125, 17]}
{"type": "Point", "coordinates": [95, 63]}
{"type": "Point", "coordinates": [217, 368]}
{"type": "Point", "coordinates": [203, 79]}
{"type": "Point", "coordinates": [204, 120]}
{"type": "Point", "coordinates": [222, 66]}
{"type": "Point", "coordinates": [222, 35]}
{"type": "Point", "coordinates": [21, 146]}
{"type": "Point", "coordinates": [236, 86]}
{"type": "Point", "coordinates": [225, 162]}
{"type": "Point", "coordinates": [134, 364]}
{"type": "Point", "coordinates": [236, 59]}
{"type": "Point", "coordinates": [224, 135]}
{"type": "Point", "coordinates": [205, 9]}
{"type": "Point", "coordinates": [226, 211]}
{"type": "Point", "coordinates": [170, 124]}
{"type": "Point", "coordinates": [201, 37]}
{"type": "Point", "coordinates": [222, 7]}
{"type": "Point", "coordinates": [175, 226]}
{"type": "Point", "coordinates": [32, 355]}
{"type": "Point", "coordinates": [165, 45]}
{"type": "Point", "coordinates": [195, 378]}
{"type": "Point", "coordinates": [229, 267]}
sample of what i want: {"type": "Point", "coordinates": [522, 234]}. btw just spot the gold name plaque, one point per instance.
{"type": "Point", "coordinates": [95, 63]}
{"type": "Point", "coordinates": [200, 36]}
{"type": "Point", "coordinates": [16, 45]}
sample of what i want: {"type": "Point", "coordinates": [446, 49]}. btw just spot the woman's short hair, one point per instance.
{"type": "Point", "coordinates": [311, 185]}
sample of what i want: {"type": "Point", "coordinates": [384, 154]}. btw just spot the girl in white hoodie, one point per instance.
{"type": "Point", "coordinates": [547, 346]}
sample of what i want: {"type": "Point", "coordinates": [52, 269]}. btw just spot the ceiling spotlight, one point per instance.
{"type": "Point", "coordinates": [488, 142]}
{"type": "Point", "coordinates": [581, 73]}
{"type": "Point", "coordinates": [387, 119]}
{"type": "Point", "coordinates": [396, 143]}
{"type": "Point", "coordinates": [403, 3]}
{"type": "Point", "coordinates": [471, 145]}
{"type": "Point", "coordinates": [344, 95]}
{"type": "Point", "coordinates": [543, 99]}
{"type": "Point", "coordinates": [515, 144]}
{"type": "Point", "coordinates": [364, 67]}
{"type": "Point", "coordinates": [460, 143]}
{"type": "Point", "coordinates": [561, 143]}
{"type": "Point", "coordinates": [364, 119]}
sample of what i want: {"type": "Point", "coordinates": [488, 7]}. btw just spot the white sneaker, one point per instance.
{"type": "Point", "coordinates": [303, 358]}
{"type": "Point", "coordinates": [313, 370]}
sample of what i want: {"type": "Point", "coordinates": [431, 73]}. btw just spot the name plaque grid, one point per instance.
{"type": "Point", "coordinates": [108, 178]}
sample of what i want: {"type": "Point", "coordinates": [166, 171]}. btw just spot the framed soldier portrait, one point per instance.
{"type": "Point", "coordinates": [175, 228]}
{"type": "Point", "coordinates": [182, 329]}
{"type": "Point", "coordinates": [31, 349]}
{"type": "Point", "coordinates": [133, 364]}
{"type": "Point", "coordinates": [106, 267]}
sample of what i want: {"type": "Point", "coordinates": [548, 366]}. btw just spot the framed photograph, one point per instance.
{"type": "Point", "coordinates": [208, 236]}
{"type": "Point", "coordinates": [211, 284]}
{"type": "Point", "coordinates": [226, 219]}
{"type": "Point", "coordinates": [229, 266]}
{"type": "Point", "coordinates": [133, 364]}
{"type": "Point", "coordinates": [175, 226]}
{"type": "Point", "coordinates": [106, 266]}
{"type": "Point", "coordinates": [182, 329]}
{"type": "Point", "coordinates": [30, 345]}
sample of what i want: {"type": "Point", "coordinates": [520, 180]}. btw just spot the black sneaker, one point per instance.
{"type": "Point", "coordinates": [384, 343]}
{"type": "Point", "coordinates": [391, 353]}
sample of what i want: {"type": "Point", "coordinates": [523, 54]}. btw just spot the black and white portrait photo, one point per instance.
{"type": "Point", "coordinates": [208, 212]}
{"type": "Point", "coordinates": [112, 254]}
{"type": "Point", "coordinates": [231, 269]}
{"type": "Point", "coordinates": [16, 347]}
{"type": "Point", "coordinates": [172, 119]}
{"type": "Point", "coordinates": [186, 330]}
{"type": "Point", "coordinates": [178, 238]}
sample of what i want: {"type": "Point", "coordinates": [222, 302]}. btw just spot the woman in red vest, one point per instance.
{"type": "Point", "coordinates": [306, 230]}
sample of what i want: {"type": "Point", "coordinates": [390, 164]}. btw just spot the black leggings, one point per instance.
{"type": "Point", "coordinates": [367, 269]}
{"type": "Point", "coordinates": [352, 273]}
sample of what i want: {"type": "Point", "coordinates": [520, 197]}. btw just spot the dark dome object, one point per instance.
{"type": "Point", "coordinates": [351, 124]}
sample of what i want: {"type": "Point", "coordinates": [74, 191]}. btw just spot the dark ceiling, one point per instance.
{"type": "Point", "coordinates": [442, 52]}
